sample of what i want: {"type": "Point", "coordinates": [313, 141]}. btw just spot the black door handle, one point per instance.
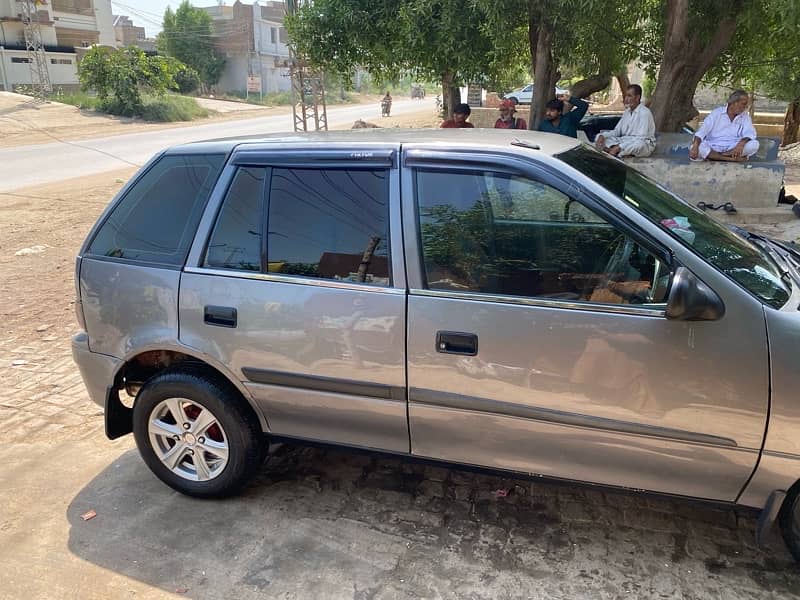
{"type": "Point", "coordinates": [220, 316]}
{"type": "Point", "coordinates": [455, 342]}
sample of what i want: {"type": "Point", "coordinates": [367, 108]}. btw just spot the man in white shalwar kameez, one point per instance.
{"type": "Point", "coordinates": [635, 134]}
{"type": "Point", "coordinates": [727, 132]}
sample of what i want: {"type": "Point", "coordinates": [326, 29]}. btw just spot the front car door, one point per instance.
{"type": "Point", "coordinates": [538, 341]}
{"type": "Point", "coordinates": [300, 291]}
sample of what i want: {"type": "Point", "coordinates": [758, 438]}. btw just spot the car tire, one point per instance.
{"type": "Point", "coordinates": [197, 434]}
{"type": "Point", "coordinates": [789, 521]}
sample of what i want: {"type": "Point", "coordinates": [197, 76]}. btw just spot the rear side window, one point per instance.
{"type": "Point", "coordinates": [236, 241]}
{"type": "Point", "coordinates": [156, 220]}
{"type": "Point", "coordinates": [329, 224]}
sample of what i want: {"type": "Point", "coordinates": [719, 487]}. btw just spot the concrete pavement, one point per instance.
{"type": "Point", "coordinates": [44, 163]}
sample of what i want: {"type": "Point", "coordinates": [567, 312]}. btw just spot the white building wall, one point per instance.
{"type": "Point", "coordinates": [105, 22]}
{"type": "Point", "coordinates": [13, 33]}
{"type": "Point", "coordinates": [15, 70]}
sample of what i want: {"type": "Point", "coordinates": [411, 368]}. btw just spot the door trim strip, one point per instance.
{"type": "Point", "coordinates": [325, 384]}
{"type": "Point", "coordinates": [432, 398]}
{"type": "Point", "coordinates": [652, 310]}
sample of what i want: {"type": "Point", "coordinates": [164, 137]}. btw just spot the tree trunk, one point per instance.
{"type": "Point", "coordinates": [623, 81]}
{"type": "Point", "coordinates": [791, 123]}
{"type": "Point", "coordinates": [451, 94]}
{"type": "Point", "coordinates": [686, 59]}
{"type": "Point", "coordinates": [590, 85]}
{"type": "Point", "coordinates": [545, 71]}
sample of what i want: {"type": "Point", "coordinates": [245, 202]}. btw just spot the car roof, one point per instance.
{"type": "Point", "coordinates": [544, 143]}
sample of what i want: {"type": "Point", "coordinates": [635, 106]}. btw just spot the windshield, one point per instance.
{"type": "Point", "coordinates": [740, 260]}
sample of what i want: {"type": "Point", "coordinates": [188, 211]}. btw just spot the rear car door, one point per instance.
{"type": "Point", "coordinates": [538, 341]}
{"type": "Point", "coordinates": [300, 290]}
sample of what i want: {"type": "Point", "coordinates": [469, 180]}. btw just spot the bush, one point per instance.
{"type": "Point", "coordinates": [188, 79]}
{"type": "Point", "coordinates": [163, 109]}
{"type": "Point", "coordinates": [171, 108]}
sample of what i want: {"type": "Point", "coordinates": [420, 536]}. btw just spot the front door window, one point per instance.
{"type": "Point", "coordinates": [496, 233]}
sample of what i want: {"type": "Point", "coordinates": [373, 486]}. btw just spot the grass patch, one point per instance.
{"type": "Point", "coordinates": [163, 109]}
{"type": "Point", "coordinates": [172, 108]}
{"type": "Point", "coordinates": [79, 99]}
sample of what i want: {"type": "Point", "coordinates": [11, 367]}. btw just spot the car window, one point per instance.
{"type": "Point", "coordinates": [501, 234]}
{"type": "Point", "coordinates": [236, 240]}
{"type": "Point", "coordinates": [330, 224]}
{"type": "Point", "coordinates": [156, 220]}
{"type": "Point", "coordinates": [737, 258]}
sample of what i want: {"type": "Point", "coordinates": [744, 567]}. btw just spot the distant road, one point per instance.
{"type": "Point", "coordinates": [24, 166]}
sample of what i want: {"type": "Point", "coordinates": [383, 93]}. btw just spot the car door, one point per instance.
{"type": "Point", "coordinates": [300, 291]}
{"type": "Point", "coordinates": [538, 341]}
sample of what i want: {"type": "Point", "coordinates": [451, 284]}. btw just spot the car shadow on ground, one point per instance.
{"type": "Point", "coordinates": [338, 524]}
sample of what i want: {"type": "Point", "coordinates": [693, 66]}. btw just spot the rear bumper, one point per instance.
{"type": "Point", "coordinates": [97, 370]}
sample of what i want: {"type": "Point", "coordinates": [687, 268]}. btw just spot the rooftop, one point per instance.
{"type": "Point", "coordinates": [545, 143]}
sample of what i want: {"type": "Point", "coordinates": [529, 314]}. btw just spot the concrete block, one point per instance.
{"type": "Point", "coordinates": [755, 184]}
{"type": "Point", "coordinates": [746, 185]}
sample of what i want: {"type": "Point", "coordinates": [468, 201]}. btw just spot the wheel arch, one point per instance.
{"type": "Point", "coordinates": [145, 363]}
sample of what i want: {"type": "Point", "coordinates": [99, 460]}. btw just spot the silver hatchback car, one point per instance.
{"type": "Point", "coordinates": [505, 299]}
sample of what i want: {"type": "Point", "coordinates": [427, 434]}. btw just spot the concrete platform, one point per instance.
{"type": "Point", "coordinates": [755, 184]}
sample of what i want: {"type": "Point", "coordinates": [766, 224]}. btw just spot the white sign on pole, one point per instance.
{"type": "Point", "coordinates": [254, 84]}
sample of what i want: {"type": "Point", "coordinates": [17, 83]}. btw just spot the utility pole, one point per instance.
{"type": "Point", "coordinates": [308, 89]}
{"type": "Point", "coordinates": [37, 58]}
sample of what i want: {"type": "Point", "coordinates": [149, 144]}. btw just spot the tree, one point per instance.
{"type": "Point", "coordinates": [685, 38]}
{"type": "Point", "coordinates": [587, 37]}
{"type": "Point", "coordinates": [120, 75]}
{"type": "Point", "coordinates": [440, 40]}
{"type": "Point", "coordinates": [188, 37]}
{"type": "Point", "coordinates": [763, 57]}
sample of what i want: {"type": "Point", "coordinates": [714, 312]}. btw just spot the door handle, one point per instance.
{"type": "Point", "coordinates": [220, 316]}
{"type": "Point", "coordinates": [456, 342]}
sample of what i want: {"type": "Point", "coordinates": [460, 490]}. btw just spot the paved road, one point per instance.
{"type": "Point", "coordinates": [87, 157]}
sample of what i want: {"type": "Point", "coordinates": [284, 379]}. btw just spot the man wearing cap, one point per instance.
{"type": "Point", "coordinates": [727, 132]}
{"type": "Point", "coordinates": [556, 120]}
{"type": "Point", "coordinates": [459, 120]}
{"type": "Point", "coordinates": [507, 119]}
{"type": "Point", "coordinates": [635, 134]}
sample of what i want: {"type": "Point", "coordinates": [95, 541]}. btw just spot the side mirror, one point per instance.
{"type": "Point", "coordinates": [692, 300]}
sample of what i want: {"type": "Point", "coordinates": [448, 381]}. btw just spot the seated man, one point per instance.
{"type": "Point", "coordinates": [727, 132]}
{"type": "Point", "coordinates": [459, 120]}
{"type": "Point", "coordinates": [557, 120]}
{"type": "Point", "coordinates": [507, 119]}
{"type": "Point", "coordinates": [635, 134]}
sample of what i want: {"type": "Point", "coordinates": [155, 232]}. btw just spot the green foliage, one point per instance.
{"type": "Point", "coordinates": [172, 108]}
{"type": "Point", "coordinates": [80, 99]}
{"type": "Point", "coordinates": [764, 53]}
{"type": "Point", "coordinates": [188, 36]}
{"type": "Point", "coordinates": [421, 38]}
{"type": "Point", "coordinates": [119, 76]}
{"type": "Point", "coordinates": [187, 79]}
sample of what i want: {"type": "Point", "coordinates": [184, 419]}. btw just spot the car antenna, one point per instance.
{"type": "Point", "coordinates": [524, 144]}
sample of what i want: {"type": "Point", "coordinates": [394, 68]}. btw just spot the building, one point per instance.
{"type": "Point", "coordinates": [128, 34]}
{"type": "Point", "coordinates": [66, 26]}
{"type": "Point", "coordinates": [253, 40]}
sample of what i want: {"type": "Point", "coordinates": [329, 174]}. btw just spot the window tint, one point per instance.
{"type": "Point", "coordinates": [236, 241]}
{"type": "Point", "coordinates": [500, 234]}
{"type": "Point", "coordinates": [156, 220]}
{"type": "Point", "coordinates": [330, 224]}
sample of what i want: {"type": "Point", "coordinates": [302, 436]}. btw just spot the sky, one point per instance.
{"type": "Point", "coordinates": [148, 13]}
